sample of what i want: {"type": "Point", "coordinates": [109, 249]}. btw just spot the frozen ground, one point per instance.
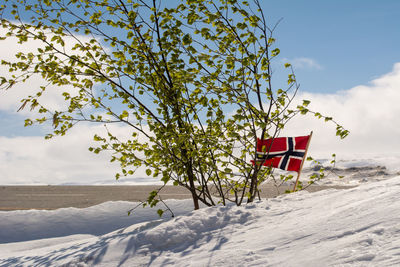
{"type": "Point", "coordinates": [357, 169]}
{"type": "Point", "coordinates": [353, 227]}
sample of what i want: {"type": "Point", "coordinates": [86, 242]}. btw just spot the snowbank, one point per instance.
{"type": "Point", "coordinates": [354, 227]}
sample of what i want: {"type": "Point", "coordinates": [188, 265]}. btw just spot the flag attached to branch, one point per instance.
{"type": "Point", "coordinates": [285, 153]}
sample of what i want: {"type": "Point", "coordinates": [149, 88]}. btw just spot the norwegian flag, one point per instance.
{"type": "Point", "coordinates": [285, 153]}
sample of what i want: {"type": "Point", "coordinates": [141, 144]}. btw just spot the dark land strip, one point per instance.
{"type": "Point", "coordinates": [82, 196]}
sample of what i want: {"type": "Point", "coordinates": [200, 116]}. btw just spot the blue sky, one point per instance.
{"type": "Point", "coordinates": [352, 41]}
{"type": "Point", "coordinates": [344, 54]}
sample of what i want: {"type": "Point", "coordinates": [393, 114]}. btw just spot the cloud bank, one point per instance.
{"type": "Point", "coordinates": [370, 112]}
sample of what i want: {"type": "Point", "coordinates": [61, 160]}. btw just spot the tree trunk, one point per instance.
{"type": "Point", "coordinates": [189, 172]}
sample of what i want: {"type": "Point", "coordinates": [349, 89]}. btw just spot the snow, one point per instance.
{"type": "Point", "coordinates": [348, 227]}
{"type": "Point", "coordinates": [356, 169]}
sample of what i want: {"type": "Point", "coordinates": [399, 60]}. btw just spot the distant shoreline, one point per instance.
{"type": "Point", "coordinates": [49, 197]}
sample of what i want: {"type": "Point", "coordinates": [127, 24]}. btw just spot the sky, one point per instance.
{"type": "Point", "coordinates": [337, 45]}
{"type": "Point", "coordinates": [353, 227]}
{"type": "Point", "coordinates": [346, 58]}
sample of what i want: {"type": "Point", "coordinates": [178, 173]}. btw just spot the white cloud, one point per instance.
{"type": "Point", "coordinates": [371, 113]}
{"type": "Point", "coordinates": [303, 63]}
{"type": "Point", "coordinates": [66, 159]}
{"type": "Point", "coordinates": [10, 100]}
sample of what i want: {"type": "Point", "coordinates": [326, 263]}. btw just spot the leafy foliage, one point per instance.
{"type": "Point", "coordinates": [193, 82]}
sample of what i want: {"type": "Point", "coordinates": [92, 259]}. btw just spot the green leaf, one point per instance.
{"type": "Point", "coordinates": [306, 102]}
{"type": "Point", "coordinates": [160, 212]}
{"type": "Point", "coordinates": [275, 52]}
{"type": "Point", "coordinates": [187, 39]}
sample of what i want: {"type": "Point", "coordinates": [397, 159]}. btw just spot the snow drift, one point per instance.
{"type": "Point", "coordinates": [354, 227]}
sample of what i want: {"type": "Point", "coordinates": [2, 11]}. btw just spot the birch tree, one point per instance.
{"type": "Point", "coordinates": [192, 80]}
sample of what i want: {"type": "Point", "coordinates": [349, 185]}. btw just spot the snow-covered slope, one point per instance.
{"type": "Point", "coordinates": [354, 227]}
